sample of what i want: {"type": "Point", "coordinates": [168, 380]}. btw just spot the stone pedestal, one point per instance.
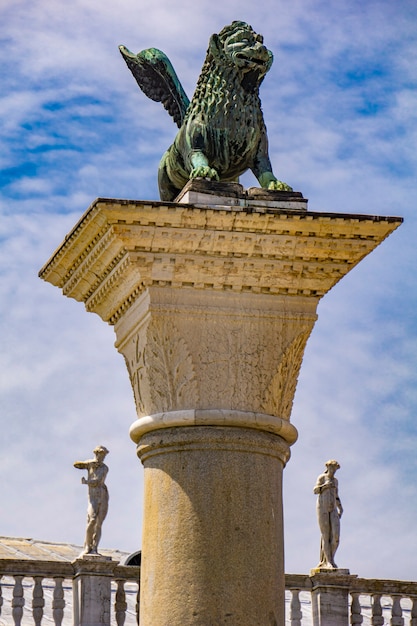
{"type": "Point", "coordinates": [92, 590]}
{"type": "Point", "coordinates": [212, 306]}
{"type": "Point", "coordinates": [330, 598]}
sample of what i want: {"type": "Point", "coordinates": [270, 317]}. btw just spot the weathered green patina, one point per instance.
{"type": "Point", "coordinates": [222, 131]}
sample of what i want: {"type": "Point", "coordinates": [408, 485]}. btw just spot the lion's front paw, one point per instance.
{"type": "Point", "coordinates": [278, 185]}
{"type": "Point", "coordinates": [204, 171]}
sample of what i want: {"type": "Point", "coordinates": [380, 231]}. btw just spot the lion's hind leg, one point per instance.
{"type": "Point", "coordinates": [167, 190]}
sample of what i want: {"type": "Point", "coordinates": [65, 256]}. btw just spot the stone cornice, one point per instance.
{"type": "Point", "coordinates": [123, 246]}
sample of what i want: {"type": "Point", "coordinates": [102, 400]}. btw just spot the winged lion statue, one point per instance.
{"type": "Point", "coordinates": [222, 131]}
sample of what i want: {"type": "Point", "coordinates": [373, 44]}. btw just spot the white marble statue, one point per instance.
{"type": "Point", "coordinates": [98, 497]}
{"type": "Point", "coordinates": [329, 512]}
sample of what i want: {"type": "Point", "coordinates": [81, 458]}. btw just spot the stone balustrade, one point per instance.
{"type": "Point", "coordinates": [43, 592]}
{"type": "Point", "coordinates": [371, 602]}
{"type": "Point", "coordinates": [36, 592]}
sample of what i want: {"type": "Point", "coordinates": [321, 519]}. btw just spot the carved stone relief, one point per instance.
{"type": "Point", "coordinates": [280, 393]}
{"type": "Point", "coordinates": [161, 369]}
{"type": "Point", "coordinates": [196, 358]}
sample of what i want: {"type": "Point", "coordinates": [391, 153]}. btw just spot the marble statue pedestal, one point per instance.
{"type": "Point", "coordinates": [212, 299]}
{"type": "Point", "coordinates": [92, 590]}
{"type": "Point", "coordinates": [330, 597]}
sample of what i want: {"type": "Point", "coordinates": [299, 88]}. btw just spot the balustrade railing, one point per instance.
{"type": "Point", "coordinates": [372, 602]}
{"type": "Point", "coordinates": [41, 592]}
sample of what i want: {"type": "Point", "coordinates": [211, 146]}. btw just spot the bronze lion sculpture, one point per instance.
{"type": "Point", "coordinates": [222, 132]}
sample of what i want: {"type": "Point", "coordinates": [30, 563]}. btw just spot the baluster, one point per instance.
{"type": "Point", "coordinates": [295, 613]}
{"type": "Point", "coordinates": [120, 605]}
{"type": "Point", "coordinates": [413, 620]}
{"type": "Point", "coordinates": [397, 612]}
{"type": "Point", "coordinates": [356, 610]}
{"type": "Point", "coordinates": [18, 601]}
{"type": "Point", "coordinates": [58, 601]}
{"type": "Point", "coordinates": [37, 600]}
{"type": "Point", "coordinates": [377, 619]}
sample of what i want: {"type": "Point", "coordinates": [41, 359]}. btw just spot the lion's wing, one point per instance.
{"type": "Point", "coordinates": [156, 77]}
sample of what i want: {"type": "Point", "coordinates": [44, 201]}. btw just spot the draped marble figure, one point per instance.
{"type": "Point", "coordinates": [329, 512]}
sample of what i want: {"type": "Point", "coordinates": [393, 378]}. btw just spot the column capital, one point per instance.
{"type": "Point", "coordinates": [212, 305]}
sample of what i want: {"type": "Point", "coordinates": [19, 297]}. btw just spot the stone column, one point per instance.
{"type": "Point", "coordinates": [212, 537]}
{"type": "Point", "coordinates": [213, 300]}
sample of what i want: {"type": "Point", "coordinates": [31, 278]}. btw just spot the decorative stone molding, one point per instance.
{"type": "Point", "coordinates": [229, 248]}
{"type": "Point", "coordinates": [214, 417]}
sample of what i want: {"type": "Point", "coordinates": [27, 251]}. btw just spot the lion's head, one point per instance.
{"type": "Point", "coordinates": [234, 67]}
{"type": "Point", "coordinates": [243, 47]}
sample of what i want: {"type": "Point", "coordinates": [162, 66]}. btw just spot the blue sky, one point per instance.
{"type": "Point", "coordinates": [340, 104]}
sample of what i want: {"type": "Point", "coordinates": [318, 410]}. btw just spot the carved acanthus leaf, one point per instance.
{"type": "Point", "coordinates": [279, 395]}
{"type": "Point", "coordinates": [170, 370]}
